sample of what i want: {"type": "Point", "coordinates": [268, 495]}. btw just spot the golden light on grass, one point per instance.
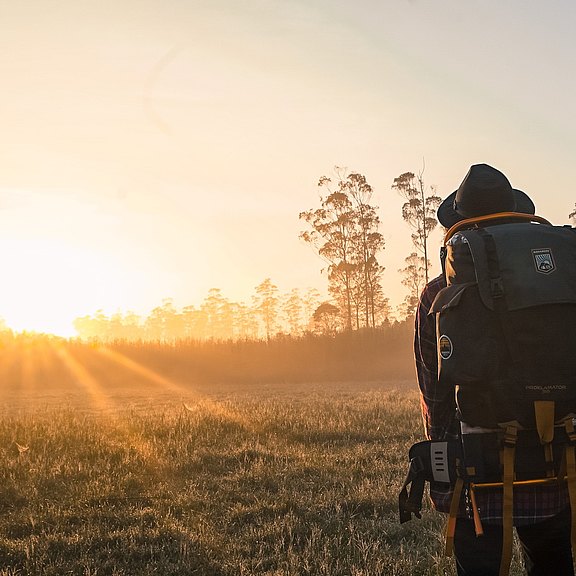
{"type": "Point", "coordinates": [137, 368]}
{"type": "Point", "coordinates": [83, 378]}
{"type": "Point", "coordinates": [102, 399]}
{"type": "Point", "coordinates": [42, 368]}
{"type": "Point", "coordinates": [122, 455]}
{"type": "Point", "coordinates": [193, 397]}
{"type": "Point", "coordinates": [313, 490]}
{"type": "Point", "coordinates": [28, 368]}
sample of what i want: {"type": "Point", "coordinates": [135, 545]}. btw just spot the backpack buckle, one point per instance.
{"type": "Point", "coordinates": [496, 287]}
{"type": "Point", "coordinates": [510, 437]}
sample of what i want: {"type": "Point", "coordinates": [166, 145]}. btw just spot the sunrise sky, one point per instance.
{"type": "Point", "coordinates": [159, 148]}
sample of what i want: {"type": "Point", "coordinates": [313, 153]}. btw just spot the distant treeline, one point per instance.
{"type": "Point", "coordinates": [361, 355]}
{"type": "Point", "coordinates": [217, 318]}
{"type": "Point", "coordinates": [31, 362]}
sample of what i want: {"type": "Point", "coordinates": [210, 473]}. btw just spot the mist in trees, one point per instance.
{"type": "Point", "coordinates": [266, 306]}
{"type": "Point", "coordinates": [344, 231]}
{"type": "Point", "coordinates": [216, 318]}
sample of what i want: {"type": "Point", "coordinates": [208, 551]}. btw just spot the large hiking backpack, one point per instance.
{"type": "Point", "coordinates": [506, 338]}
{"type": "Point", "coordinates": [506, 322]}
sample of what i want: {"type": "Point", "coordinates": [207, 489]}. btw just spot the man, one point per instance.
{"type": "Point", "coordinates": [541, 513]}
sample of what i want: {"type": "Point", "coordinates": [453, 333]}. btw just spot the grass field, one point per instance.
{"type": "Point", "coordinates": [167, 479]}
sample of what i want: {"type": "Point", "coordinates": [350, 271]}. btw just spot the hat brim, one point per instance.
{"type": "Point", "coordinates": [447, 216]}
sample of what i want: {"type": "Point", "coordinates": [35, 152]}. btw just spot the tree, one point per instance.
{"type": "Point", "coordinates": [217, 318]}
{"type": "Point", "coordinates": [245, 321]}
{"type": "Point", "coordinates": [292, 307]}
{"type": "Point", "coordinates": [87, 327]}
{"type": "Point", "coordinates": [345, 232]}
{"type": "Point", "coordinates": [419, 211]}
{"type": "Point", "coordinates": [414, 278]}
{"type": "Point", "coordinates": [310, 302]}
{"type": "Point", "coordinates": [326, 318]}
{"type": "Point", "coordinates": [165, 324]}
{"type": "Point", "coordinates": [194, 321]}
{"type": "Point", "coordinates": [132, 326]}
{"type": "Point", "coordinates": [266, 306]}
{"type": "Point", "coordinates": [332, 229]}
{"type": "Point", "coordinates": [572, 215]}
{"type": "Point", "coordinates": [368, 243]}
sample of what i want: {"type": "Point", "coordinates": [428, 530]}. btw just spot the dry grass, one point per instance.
{"type": "Point", "coordinates": [152, 476]}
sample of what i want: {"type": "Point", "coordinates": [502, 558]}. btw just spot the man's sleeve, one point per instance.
{"type": "Point", "coordinates": [437, 401]}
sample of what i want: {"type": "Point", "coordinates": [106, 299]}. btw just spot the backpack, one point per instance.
{"type": "Point", "coordinates": [506, 322]}
{"type": "Point", "coordinates": [506, 340]}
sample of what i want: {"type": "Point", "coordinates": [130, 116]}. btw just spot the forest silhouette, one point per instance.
{"type": "Point", "coordinates": [32, 363]}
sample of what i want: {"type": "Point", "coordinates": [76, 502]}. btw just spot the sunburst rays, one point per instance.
{"type": "Point", "coordinates": [95, 374]}
{"type": "Point", "coordinates": [193, 397]}
{"type": "Point", "coordinates": [83, 378]}
{"type": "Point", "coordinates": [92, 373]}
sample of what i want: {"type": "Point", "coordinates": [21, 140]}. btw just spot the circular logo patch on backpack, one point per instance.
{"type": "Point", "coordinates": [445, 347]}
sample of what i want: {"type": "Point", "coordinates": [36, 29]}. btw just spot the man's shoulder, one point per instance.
{"type": "Point", "coordinates": [435, 285]}
{"type": "Point", "coordinates": [429, 293]}
{"type": "Point", "coordinates": [440, 280]}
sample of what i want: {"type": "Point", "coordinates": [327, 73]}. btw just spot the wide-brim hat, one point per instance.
{"type": "Point", "coordinates": [484, 190]}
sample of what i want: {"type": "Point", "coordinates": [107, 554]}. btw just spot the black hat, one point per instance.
{"type": "Point", "coordinates": [485, 190]}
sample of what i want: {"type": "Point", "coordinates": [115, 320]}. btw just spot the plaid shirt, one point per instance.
{"type": "Point", "coordinates": [531, 504]}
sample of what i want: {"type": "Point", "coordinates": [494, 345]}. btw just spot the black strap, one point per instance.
{"type": "Point", "coordinates": [498, 294]}
{"type": "Point", "coordinates": [410, 501]}
{"type": "Point", "coordinates": [496, 282]}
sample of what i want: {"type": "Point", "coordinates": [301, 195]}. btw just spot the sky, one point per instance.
{"type": "Point", "coordinates": [155, 149]}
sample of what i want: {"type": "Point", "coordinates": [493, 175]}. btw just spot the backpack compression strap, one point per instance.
{"type": "Point", "coordinates": [454, 506]}
{"type": "Point", "coordinates": [508, 498]}
{"type": "Point", "coordinates": [411, 502]}
{"type": "Point", "coordinates": [571, 476]}
{"type": "Point", "coordinates": [544, 415]}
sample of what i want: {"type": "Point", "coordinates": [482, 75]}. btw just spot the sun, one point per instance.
{"type": "Point", "coordinates": [47, 283]}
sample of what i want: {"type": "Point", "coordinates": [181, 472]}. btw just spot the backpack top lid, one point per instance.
{"type": "Point", "coordinates": [520, 264]}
